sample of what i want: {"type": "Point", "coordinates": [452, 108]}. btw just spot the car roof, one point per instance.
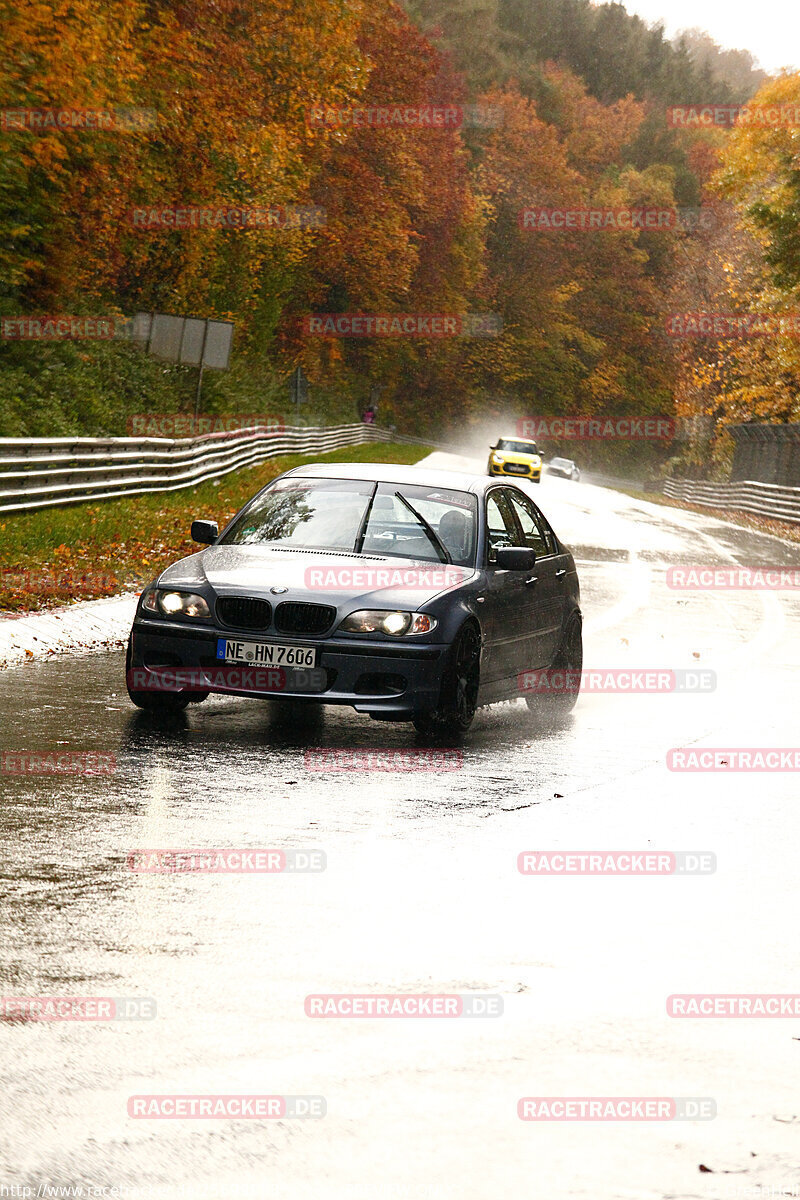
{"type": "Point", "coordinates": [512, 437]}
{"type": "Point", "coordinates": [395, 473]}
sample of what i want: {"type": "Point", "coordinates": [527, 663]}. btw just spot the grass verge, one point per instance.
{"type": "Point", "coordinates": [85, 551]}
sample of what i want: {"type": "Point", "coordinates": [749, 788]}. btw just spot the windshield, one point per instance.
{"type": "Point", "coordinates": [393, 528]}
{"type": "Point", "coordinates": [517, 447]}
{"type": "Point", "coordinates": [329, 514]}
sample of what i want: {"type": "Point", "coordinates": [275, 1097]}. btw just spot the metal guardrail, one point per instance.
{"type": "Point", "coordinates": [763, 499]}
{"type": "Point", "coordinates": [40, 473]}
{"type": "Point", "coordinates": [44, 473]}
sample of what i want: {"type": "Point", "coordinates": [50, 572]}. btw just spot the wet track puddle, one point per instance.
{"type": "Point", "coordinates": [420, 893]}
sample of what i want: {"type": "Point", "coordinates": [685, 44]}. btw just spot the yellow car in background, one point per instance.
{"type": "Point", "coordinates": [516, 456]}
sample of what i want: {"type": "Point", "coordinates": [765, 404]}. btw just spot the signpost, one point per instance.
{"type": "Point", "coordinates": [193, 341]}
{"type": "Point", "coordinates": [298, 390]}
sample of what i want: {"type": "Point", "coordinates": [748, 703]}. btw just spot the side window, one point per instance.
{"type": "Point", "coordinates": [547, 533]}
{"type": "Point", "coordinates": [500, 528]}
{"type": "Point", "coordinates": [535, 531]}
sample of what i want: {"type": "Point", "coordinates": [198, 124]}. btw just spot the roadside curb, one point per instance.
{"type": "Point", "coordinates": [87, 625]}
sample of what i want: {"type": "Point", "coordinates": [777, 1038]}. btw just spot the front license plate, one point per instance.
{"type": "Point", "coordinates": [271, 654]}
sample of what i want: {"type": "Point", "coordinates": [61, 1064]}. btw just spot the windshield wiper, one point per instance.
{"type": "Point", "coordinates": [362, 532]}
{"type": "Point", "coordinates": [433, 537]}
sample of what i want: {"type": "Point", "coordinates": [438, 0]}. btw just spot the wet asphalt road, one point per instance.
{"type": "Point", "coordinates": [421, 894]}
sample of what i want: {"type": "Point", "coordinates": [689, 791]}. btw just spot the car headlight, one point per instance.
{"type": "Point", "coordinates": [176, 604]}
{"type": "Point", "coordinates": [536, 461]}
{"type": "Point", "coordinates": [498, 460]}
{"type": "Point", "coordinates": [395, 624]}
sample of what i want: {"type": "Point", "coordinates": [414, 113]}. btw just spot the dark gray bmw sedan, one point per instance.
{"type": "Point", "coordinates": [409, 594]}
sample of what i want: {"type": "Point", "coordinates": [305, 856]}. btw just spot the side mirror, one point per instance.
{"type": "Point", "coordinates": [205, 532]}
{"type": "Point", "coordinates": [515, 558]}
{"type": "Point", "coordinates": [494, 447]}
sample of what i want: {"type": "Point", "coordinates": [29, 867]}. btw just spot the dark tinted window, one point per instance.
{"type": "Point", "coordinates": [500, 527]}
{"type": "Point", "coordinates": [536, 532]}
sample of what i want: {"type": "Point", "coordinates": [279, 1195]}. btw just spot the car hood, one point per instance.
{"type": "Point", "coordinates": [313, 576]}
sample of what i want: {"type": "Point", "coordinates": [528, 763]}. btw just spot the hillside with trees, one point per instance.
{"type": "Point", "coordinates": [416, 219]}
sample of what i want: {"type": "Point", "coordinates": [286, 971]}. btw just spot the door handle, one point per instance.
{"type": "Point", "coordinates": [531, 580]}
{"type": "Point", "coordinates": [560, 574]}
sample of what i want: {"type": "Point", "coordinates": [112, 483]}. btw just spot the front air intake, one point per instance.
{"type": "Point", "coordinates": [296, 617]}
{"type": "Point", "coordinates": [243, 612]}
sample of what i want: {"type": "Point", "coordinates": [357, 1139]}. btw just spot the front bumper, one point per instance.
{"type": "Point", "coordinates": [530, 472]}
{"type": "Point", "coordinates": [390, 681]}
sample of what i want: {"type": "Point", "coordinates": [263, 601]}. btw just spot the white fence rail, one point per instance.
{"type": "Point", "coordinates": [764, 499]}
{"type": "Point", "coordinates": [45, 473]}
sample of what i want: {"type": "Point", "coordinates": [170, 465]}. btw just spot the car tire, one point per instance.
{"type": "Point", "coordinates": [458, 698]}
{"type": "Point", "coordinates": [159, 702]}
{"type": "Point", "coordinates": [569, 657]}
